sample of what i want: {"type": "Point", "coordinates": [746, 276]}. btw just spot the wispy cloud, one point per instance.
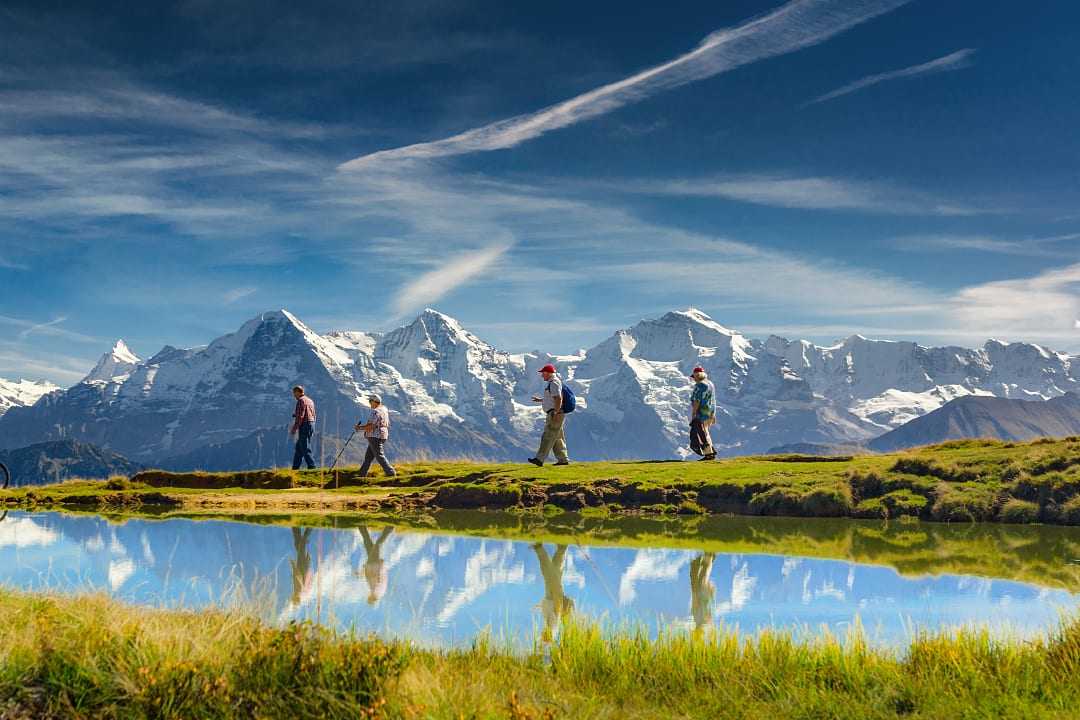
{"type": "Point", "coordinates": [805, 193]}
{"type": "Point", "coordinates": [953, 61]}
{"type": "Point", "coordinates": [14, 362]}
{"type": "Point", "coordinates": [124, 101]}
{"type": "Point", "coordinates": [433, 285]}
{"type": "Point", "coordinates": [1029, 247]}
{"type": "Point", "coordinates": [796, 25]}
{"type": "Point", "coordinates": [1046, 305]}
{"type": "Point", "coordinates": [41, 327]}
{"type": "Point", "coordinates": [237, 294]}
{"type": "Point", "coordinates": [29, 327]}
{"type": "Point", "coordinates": [726, 270]}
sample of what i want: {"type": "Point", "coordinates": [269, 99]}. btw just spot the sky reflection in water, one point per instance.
{"type": "Point", "coordinates": [441, 589]}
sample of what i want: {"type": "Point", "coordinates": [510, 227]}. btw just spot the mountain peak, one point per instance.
{"type": "Point", "coordinates": [434, 324]}
{"type": "Point", "coordinates": [118, 362]}
{"type": "Point", "coordinates": [123, 353]}
{"type": "Point", "coordinates": [698, 317]}
{"type": "Point", "coordinates": [430, 315]}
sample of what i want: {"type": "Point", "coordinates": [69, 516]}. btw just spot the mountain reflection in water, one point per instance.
{"type": "Point", "coordinates": [442, 587]}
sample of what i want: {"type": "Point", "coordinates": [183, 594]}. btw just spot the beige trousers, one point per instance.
{"type": "Point", "coordinates": [554, 438]}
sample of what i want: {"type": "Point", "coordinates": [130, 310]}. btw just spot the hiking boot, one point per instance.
{"type": "Point", "coordinates": [710, 456]}
{"type": "Point", "coordinates": [563, 462]}
{"type": "Point", "coordinates": [537, 462]}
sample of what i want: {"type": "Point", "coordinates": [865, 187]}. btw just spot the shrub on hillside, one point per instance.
{"type": "Point", "coordinates": [117, 482]}
{"type": "Point", "coordinates": [832, 501]}
{"type": "Point", "coordinates": [1069, 513]}
{"type": "Point", "coordinates": [924, 467]}
{"type": "Point", "coordinates": [865, 485]}
{"type": "Point", "coordinates": [1018, 511]}
{"type": "Point", "coordinates": [778, 500]}
{"type": "Point", "coordinates": [966, 502]}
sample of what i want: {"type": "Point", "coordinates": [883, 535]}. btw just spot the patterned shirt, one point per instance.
{"type": "Point", "coordinates": [304, 412]}
{"type": "Point", "coordinates": [704, 396]}
{"type": "Point", "coordinates": [380, 424]}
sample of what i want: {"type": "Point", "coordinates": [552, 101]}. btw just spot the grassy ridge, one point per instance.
{"type": "Point", "coordinates": [90, 657]}
{"type": "Point", "coordinates": [971, 480]}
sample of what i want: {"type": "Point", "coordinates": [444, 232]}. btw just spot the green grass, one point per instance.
{"type": "Point", "coordinates": [90, 657]}
{"type": "Point", "coordinates": [959, 481]}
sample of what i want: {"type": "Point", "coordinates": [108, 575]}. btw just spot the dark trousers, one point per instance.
{"type": "Point", "coordinates": [375, 452]}
{"type": "Point", "coordinates": [700, 441]}
{"type": "Point", "coordinates": [303, 447]}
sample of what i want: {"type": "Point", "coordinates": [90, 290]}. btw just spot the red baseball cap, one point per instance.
{"type": "Point", "coordinates": [696, 370]}
{"type": "Point", "coordinates": [547, 368]}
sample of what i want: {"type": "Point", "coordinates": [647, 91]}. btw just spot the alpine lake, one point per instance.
{"type": "Point", "coordinates": [446, 578]}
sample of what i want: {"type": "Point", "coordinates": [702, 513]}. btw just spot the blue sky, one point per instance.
{"type": "Point", "coordinates": [545, 173]}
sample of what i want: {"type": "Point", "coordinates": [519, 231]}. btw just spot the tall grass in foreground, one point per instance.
{"type": "Point", "coordinates": [92, 657]}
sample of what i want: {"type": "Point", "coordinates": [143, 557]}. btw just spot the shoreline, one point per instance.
{"type": "Point", "coordinates": [960, 481]}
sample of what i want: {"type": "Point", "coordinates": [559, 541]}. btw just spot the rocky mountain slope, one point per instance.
{"type": "Point", "coordinates": [451, 394]}
{"type": "Point", "coordinates": [987, 417]}
{"type": "Point", "coordinates": [51, 462]}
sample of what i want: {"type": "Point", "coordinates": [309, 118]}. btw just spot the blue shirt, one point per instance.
{"type": "Point", "coordinates": [705, 396]}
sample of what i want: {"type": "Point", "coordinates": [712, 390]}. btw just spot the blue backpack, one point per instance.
{"type": "Point", "coordinates": [569, 400]}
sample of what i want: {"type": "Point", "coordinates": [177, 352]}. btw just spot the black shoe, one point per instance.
{"type": "Point", "coordinates": [710, 456]}
{"type": "Point", "coordinates": [537, 462]}
{"type": "Point", "coordinates": [563, 462]}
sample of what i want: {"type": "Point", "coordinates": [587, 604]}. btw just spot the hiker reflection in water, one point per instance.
{"type": "Point", "coordinates": [374, 567]}
{"type": "Point", "coordinates": [301, 566]}
{"type": "Point", "coordinates": [555, 604]}
{"type": "Point", "coordinates": [702, 590]}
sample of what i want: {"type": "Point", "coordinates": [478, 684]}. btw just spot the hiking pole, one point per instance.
{"type": "Point", "coordinates": [342, 450]}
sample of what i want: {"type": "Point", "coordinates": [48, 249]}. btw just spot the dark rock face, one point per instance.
{"type": "Point", "coordinates": [987, 417]}
{"type": "Point", "coordinates": [65, 460]}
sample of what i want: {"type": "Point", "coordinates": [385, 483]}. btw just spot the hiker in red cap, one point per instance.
{"type": "Point", "coordinates": [554, 437]}
{"type": "Point", "coordinates": [702, 414]}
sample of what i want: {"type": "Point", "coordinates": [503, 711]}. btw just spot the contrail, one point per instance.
{"type": "Point", "coordinates": [954, 61]}
{"type": "Point", "coordinates": [796, 25]}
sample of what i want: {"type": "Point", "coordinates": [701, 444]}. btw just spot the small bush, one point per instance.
{"type": "Point", "coordinates": [963, 503]}
{"type": "Point", "coordinates": [827, 501]}
{"type": "Point", "coordinates": [865, 485]}
{"type": "Point", "coordinates": [1019, 511]}
{"type": "Point", "coordinates": [776, 501]}
{"type": "Point", "coordinates": [1055, 463]}
{"type": "Point", "coordinates": [1011, 473]}
{"type": "Point", "coordinates": [117, 483]}
{"type": "Point", "coordinates": [1069, 513]}
{"type": "Point", "coordinates": [689, 507]}
{"type": "Point", "coordinates": [916, 466]}
{"type": "Point", "coordinates": [924, 467]}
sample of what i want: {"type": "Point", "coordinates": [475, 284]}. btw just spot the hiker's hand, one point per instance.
{"type": "Point", "coordinates": [358, 428]}
{"type": "Point", "coordinates": [537, 398]}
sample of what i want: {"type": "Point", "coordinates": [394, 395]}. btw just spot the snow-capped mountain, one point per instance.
{"type": "Point", "coordinates": [453, 395]}
{"type": "Point", "coordinates": [21, 393]}
{"type": "Point", "coordinates": [116, 364]}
